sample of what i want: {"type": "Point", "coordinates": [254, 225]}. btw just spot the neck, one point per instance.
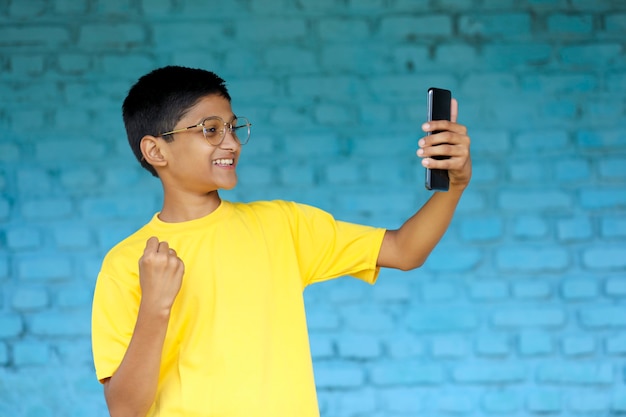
{"type": "Point", "coordinates": [178, 208]}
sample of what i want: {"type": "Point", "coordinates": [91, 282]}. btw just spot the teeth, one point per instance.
{"type": "Point", "coordinates": [223, 162]}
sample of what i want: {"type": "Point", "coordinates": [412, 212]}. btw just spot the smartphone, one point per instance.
{"type": "Point", "coordinates": [438, 109]}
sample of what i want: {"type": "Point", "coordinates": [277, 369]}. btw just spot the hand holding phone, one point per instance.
{"type": "Point", "coordinates": [439, 101]}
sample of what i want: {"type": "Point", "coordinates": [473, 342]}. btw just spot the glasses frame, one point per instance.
{"type": "Point", "coordinates": [228, 126]}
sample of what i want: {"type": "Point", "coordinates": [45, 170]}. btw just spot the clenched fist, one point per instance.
{"type": "Point", "coordinates": [160, 275]}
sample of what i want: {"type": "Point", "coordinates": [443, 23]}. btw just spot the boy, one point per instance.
{"type": "Point", "coordinates": [200, 312]}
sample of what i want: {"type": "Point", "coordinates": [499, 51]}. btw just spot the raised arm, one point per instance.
{"type": "Point", "coordinates": [131, 390]}
{"type": "Point", "coordinates": [409, 246]}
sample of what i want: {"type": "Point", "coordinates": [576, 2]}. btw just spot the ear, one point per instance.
{"type": "Point", "coordinates": [151, 150]}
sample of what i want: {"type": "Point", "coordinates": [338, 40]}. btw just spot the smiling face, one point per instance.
{"type": "Point", "coordinates": [190, 163]}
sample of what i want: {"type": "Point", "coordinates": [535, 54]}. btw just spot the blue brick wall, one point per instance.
{"type": "Point", "coordinates": [521, 311]}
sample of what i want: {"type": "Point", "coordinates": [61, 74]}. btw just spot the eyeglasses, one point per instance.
{"type": "Point", "coordinates": [214, 129]}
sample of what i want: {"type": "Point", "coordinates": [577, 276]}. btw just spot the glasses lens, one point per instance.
{"type": "Point", "coordinates": [241, 129]}
{"type": "Point", "coordinates": [213, 129]}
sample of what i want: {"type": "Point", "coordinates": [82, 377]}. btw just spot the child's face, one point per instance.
{"type": "Point", "coordinates": [193, 163]}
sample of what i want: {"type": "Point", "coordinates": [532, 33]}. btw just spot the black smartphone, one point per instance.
{"type": "Point", "coordinates": [438, 109]}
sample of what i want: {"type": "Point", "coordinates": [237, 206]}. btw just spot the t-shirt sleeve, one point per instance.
{"type": "Point", "coordinates": [114, 313]}
{"type": "Point", "coordinates": [328, 248]}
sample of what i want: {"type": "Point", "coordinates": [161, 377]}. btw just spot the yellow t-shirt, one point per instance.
{"type": "Point", "coordinates": [237, 342]}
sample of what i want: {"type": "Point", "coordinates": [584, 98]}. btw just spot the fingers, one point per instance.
{"type": "Point", "coordinates": [454, 110]}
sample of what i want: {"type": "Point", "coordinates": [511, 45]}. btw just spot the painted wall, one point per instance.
{"type": "Point", "coordinates": [521, 311]}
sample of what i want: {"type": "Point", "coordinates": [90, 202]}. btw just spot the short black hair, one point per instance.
{"type": "Point", "coordinates": [159, 99]}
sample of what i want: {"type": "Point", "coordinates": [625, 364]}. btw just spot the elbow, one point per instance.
{"type": "Point", "coordinates": [410, 264]}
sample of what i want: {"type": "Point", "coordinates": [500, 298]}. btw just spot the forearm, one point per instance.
{"type": "Point", "coordinates": [131, 391]}
{"type": "Point", "coordinates": [409, 246]}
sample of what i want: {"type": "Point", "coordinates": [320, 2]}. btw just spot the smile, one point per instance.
{"type": "Point", "coordinates": [224, 162]}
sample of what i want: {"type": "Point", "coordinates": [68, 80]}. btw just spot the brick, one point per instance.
{"type": "Point", "coordinates": [485, 173]}
{"type": "Point", "coordinates": [481, 229]}
{"type": "Point", "coordinates": [406, 373]}
{"type": "Point", "coordinates": [615, 22]}
{"type": "Point", "coordinates": [561, 83]}
{"type": "Point", "coordinates": [602, 198]}
{"type": "Point", "coordinates": [489, 373]}
{"type": "Point", "coordinates": [514, 318]}
{"type": "Point", "coordinates": [442, 320]}
{"type": "Point", "coordinates": [339, 29]}
{"type": "Point", "coordinates": [570, 24]}
{"type": "Point", "coordinates": [492, 142]}
{"type": "Point", "coordinates": [534, 200]}
{"type": "Point", "coordinates": [613, 168]}
{"type": "Point", "coordinates": [453, 259]}
{"type": "Point", "coordinates": [401, 400]}
{"type": "Point", "coordinates": [545, 401]}
{"type": "Point", "coordinates": [71, 7]}
{"type": "Point", "coordinates": [22, 238]}
{"type": "Point", "coordinates": [575, 229]}
{"type": "Point", "coordinates": [579, 289]}
{"type": "Point", "coordinates": [600, 139]}
{"type": "Point", "coordinates": [615, 287]}
{"type": "Point", "coordinates": [34, 8]}
{"type": "Point", "coordinates": [530, 227]}
{"type": "Point", "coordinates": [9, 152]}
{"type": "Point", "coordinates": [490, 290]}
{"type": "Point", "coordinates": [4, 269]}
{"type": "Point", "coordinates": [75, 352]}
{"type": "Point", "coordinates": [605, 256]}
{"type": "Point", "coordinates": [33, 182]}
{"type": "Point", "coordinates": [358, 346]}
{"type": "Point", "coordinates": [282, 29]}
{"type": "Point", "coordinates": [72, 236]}
{"type": "Point", "coordinates": [366, 319]}
{"type": "Point", "coordinates": [334, 115]}
{"type": "Point", "coordinates": [31, 65]}
{"type": "Point", "coordinates": [589, 402]}
{"type": "Point", "coordinates": [31, 353]}
{"type": "Point", "coordinates": [532, 259]}
{"type": "Point", "coordinates": [546, 140]}
{"type": "Point", "coordinates": [578, 346]}
{"type": "Point", "coordinates": [571, 373]}
{"type": "Point", "coordinates": [74, 297]}
{"type": "Point", "coordinates": [29, 36]}
{"type": "Point", "coordinates": [533, 343]}
{"type": "Point", "coordinates": [494, 25]}
{"type": "Point", "coordinates": [449, 347]}
{"type": "Point", "coordinates": [401, 345]}
{"type": "Point", "coordinates": [5, 209]}
{"type": "Point", "coordinates": [439, 291]}
{"type": "Point", "coordinates": [603, 317]}
{"type": "Point", "coordinates": [355, 60]}
{"type": "Point", "coordinates": [30, 299]}
{"type": "Point", "coordinates": [618, 401]}
{"type": "Point", "coordinates": [338, 376]}
{"type": "Point", "coordinates": [60, 324]}
{"type": "Point", "coordinates": [451, 54]}
{"type": "Point", "coordinates": [572, 169]}
{"type": "Point", "coordinates": [10, 325]}
{"type": "Point", "coordinates": [44, 268]}
{"type": "Point", "coordinates": [492, 345]}
{"type": "Point", "coordinates": [116, 208]}
{"type": "Point", "coordinates": [322, 347]}
{"type": "Point", "coordinates": [4, 354]}
{"type": "Point", "coordinates": [322, 319]}
{"type": "Point", "coordinates": [516, 55]}
{"type": "Point", "coordinates": [503, 84]}
{"type": "Point", "coordinates": [527, 171]}
{"type": "Point", "coordinates": [70, 150]}
{"type": "Point", "coordinates": [413, 28]}
{"type": "Point", "coordinates": [501, 403]}
{"type": "Point", "coordinates": [294, 174]}
{"type": "Point", "coordinates": [111, 35]}
{"type": "Point", "coordinates": [616, 345]}
{"type": "Point", "coordinates": [590, 55]}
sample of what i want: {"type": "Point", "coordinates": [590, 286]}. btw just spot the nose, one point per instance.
{"type": "Point", "coordinates": [230, 141]}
